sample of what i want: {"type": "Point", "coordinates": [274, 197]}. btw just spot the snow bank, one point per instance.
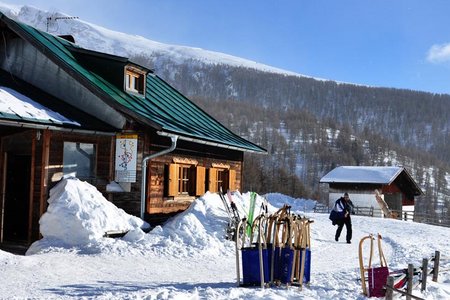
{"type": "Point", "coordinates": [297, 204]}
{"type": "Point", "coordinates": [198, 231]}
{"type": "Point", "coordinates": [78, 214]}
{"type": "Point", "coordinates": [78, 217]}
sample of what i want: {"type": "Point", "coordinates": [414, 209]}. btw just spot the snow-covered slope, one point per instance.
{"type": "Point", "coordinates": [188, 258]}
{"type": "Point", "coordinates": [97, 38]}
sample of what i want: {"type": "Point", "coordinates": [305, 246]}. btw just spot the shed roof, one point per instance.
{"type": "Point", "coordinates": [358, 174]}
{"type": "Point", "coordinates": [163, 108]}
{"type": "Point", "coordinates": [372, 175]}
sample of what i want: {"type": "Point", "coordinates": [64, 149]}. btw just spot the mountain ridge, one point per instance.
{"type": "Point", "coordinates": [35, 17]}
{"type": "Point", "coordinates": [309, 125]}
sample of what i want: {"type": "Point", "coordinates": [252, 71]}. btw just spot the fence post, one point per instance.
{"type": "Point", "coordinates": [389, 288]}
{"type": "Point", "coordinates": [424, 274]}
{"type": "Point", "coordinates": [410, 281]}
{"type": "Point", "coordinates": [437, 256]}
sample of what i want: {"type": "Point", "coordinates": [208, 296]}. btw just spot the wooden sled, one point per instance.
{"type": "Point", "coordinates": [376, 276]}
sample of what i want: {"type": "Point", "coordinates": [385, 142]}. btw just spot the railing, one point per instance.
{"type": "Point", "coordinates": [397, 214]}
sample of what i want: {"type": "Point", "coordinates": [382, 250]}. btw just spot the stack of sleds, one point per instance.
{"type": "Point", "coordinates": [274, 250]}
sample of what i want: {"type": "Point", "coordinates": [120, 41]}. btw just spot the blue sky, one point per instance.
{"type": "Point", "coordinates": [388, 43]}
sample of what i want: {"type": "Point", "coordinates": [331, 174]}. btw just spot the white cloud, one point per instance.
{"type": "Point", "coordinates": [439, 53]}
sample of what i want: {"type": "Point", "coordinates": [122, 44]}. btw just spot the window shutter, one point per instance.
{"type": "Point", "coordinates": [213, 180]}
{"type": "Point", "coordinates": [200, 181]}
{"type": "Point", "coordinates": [232, 180]}
{"type": "Point", "coordinates": [173, 180]}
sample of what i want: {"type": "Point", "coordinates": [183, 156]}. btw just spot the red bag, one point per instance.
{"type": "Point", "coordinates": [377, 281]}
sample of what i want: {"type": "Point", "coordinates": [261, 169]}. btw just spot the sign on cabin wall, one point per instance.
{"type": "Point", "coordinates": [126, 157]}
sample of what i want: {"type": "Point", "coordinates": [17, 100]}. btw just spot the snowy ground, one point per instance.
{"type": "Point", "coordinates": [188, 258]}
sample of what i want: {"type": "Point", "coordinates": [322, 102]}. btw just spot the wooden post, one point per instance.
{"type": "Point", "coordinates": [410, 281]}
{"type": "Point", "coordinates": [389, 287]}
{"type": "Point", "coordinates": [2, 217]}
{"type": "Point", "coordinates": [437, 256]}
{"type": "Point", "coordinates": [424, 274]}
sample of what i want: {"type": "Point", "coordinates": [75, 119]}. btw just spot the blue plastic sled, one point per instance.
{"type": "Point", "coordinates": [307, 272]}
{"type": "Point", "coordinates": [251, 266]}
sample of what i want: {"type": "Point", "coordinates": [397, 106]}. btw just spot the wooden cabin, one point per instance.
{"type": "Point", "coordinates": [69, 111]}
{"type": "Point", "coordinates": [395, 184]}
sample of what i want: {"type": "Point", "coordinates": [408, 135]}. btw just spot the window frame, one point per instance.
{"type": "Point", "coordinates": [185, 179]}
{"type": "Point", "coordinates": [221, 175]}
{"type": "Point", "coordinates": [135, 80]}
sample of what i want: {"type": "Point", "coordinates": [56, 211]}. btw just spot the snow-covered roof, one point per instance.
{"type": "Point", "coordinates": [360, 174]}
{"type": "Point", "coordinates": [18, 107]}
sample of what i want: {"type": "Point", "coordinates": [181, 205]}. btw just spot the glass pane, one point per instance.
{"type": "Point", "coordinates": [79, 160]}
{"type": "Point", "coordinates": [183, 180]}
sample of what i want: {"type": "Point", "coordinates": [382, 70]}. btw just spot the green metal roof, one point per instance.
{"type": "Point", "coordinates": [163, 108]}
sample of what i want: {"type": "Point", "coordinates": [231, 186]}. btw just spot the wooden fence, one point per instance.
{"type": "Point", "coordinates": [398, 214]}
{"type": "Point", "coordinates": [425, 271]}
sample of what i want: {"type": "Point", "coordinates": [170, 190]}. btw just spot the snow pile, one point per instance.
{"type": "Point", "coordinates": [199, 229]}
{"type": "Point", "coordinates": [78, 214]}
{"type": "Point", "coordinates": [78, 217]}
{"type": "Point", "coordinates": [297, 205]}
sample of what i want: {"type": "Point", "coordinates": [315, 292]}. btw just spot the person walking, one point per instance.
{"type": "Point", "coordinates": [344, 206]}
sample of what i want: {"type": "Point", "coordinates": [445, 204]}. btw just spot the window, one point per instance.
{"type": "Point", "coordinates": [221, 178]}
{"type": "Point", "coordinates": [79, 160]}
{"type": "Point", "coordinates": [184, 180]}
{"type": "Point", "coordinates": [135, 80]}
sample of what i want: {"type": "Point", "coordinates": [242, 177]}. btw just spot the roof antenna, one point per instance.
{"type": "Point", "coordinates": [49, 19]}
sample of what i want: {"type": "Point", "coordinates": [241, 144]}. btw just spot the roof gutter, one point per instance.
{"type": "Point", "coordinates": [214, 144]}
{"type": "Point", "coordinates": [51, 127]}
{"type": "Point", "coordinates": [174, 139]}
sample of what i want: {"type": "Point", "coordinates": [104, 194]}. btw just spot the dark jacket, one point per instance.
{"type": "Point", "coordinates": [346, 206]}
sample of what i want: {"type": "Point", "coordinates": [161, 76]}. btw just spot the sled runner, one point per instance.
{"type": "Point", "coordinates": [275, 238]}
{"type": "Point", "coordinates": [302, 246]}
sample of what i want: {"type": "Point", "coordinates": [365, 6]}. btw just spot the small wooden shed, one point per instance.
{"type": "Point", "coordinates": [395, 185]}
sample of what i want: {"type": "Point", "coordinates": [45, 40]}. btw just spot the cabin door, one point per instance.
{"type": "Point", "coordinates": [17, 197]}
{"type": "Point", "coordinates": [394, 201]}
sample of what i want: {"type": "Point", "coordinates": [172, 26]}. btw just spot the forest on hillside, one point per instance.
{"type": "Point", "coordinates": [311, 126]}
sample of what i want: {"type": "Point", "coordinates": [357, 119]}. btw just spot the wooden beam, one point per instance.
{"type": "Point", "coordinates": [35, 135]}
{"type": "Point", "coordinates": [5, 160]}
{"type": "Point", "coordinates": [44, 171]}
